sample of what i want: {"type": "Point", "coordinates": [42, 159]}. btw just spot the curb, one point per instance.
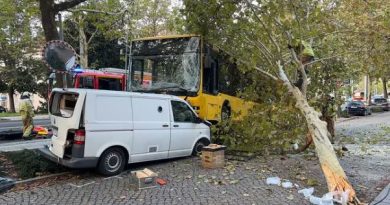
{"type": "Point", "coordinates": [18, 118]}
{"type": "Point", "coordinates": [347, 119]}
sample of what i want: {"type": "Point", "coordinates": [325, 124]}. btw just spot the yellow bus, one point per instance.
{"type": "Point", "coordinates": [189, 67]}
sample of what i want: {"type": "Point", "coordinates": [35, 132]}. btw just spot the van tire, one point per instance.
{"type": "Point", "coordinates": [112, 162]}
{"type": "Point", "coordinates": [198, 147]}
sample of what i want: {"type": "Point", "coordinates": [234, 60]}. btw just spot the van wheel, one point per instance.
{"type": "Point", "coordinates": [112, 162]}
{"type": "Point", "coordinates": [198, 147]}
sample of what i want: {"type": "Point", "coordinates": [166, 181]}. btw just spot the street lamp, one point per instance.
{"type": "Point", "coordinates": [125, 42]}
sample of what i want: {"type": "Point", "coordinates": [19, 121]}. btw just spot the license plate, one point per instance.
{"type": "Point", "coordinates": [353, 107]}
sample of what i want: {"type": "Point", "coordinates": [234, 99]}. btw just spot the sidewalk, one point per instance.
{"type": "Point", "coordinates": [21, 145]}
{"type": "Point", "coordinates": [343, 119]}
{"type": "Point", "coordinates": [15, 118]}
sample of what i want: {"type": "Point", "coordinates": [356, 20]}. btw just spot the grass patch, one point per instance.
{"type": "Point", "coordinates": [9, 114]}
{"type": "Point", "coordinates": [29, 164]}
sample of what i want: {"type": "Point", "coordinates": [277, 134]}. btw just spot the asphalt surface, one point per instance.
{"type": "Point", "coordinates": [366, 162]}
{"type": "Point", "coordinates": [17, 124]}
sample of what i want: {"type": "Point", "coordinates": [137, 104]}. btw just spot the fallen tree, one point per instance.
{"type": "Point", "coordinates": [257, 34]}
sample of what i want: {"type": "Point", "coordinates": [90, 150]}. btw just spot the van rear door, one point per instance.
{"type": "Point", "coordinates": [65, 111]}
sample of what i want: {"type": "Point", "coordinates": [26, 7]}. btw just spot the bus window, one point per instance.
{"type": "Point", "coordinates": [229, 77]}
{"type": "Point", "coordinates": [86, 82]}
{"type": "Point", "coordinates": [110, 84]}
{"type": "Point", "coordinates": [210, 77]}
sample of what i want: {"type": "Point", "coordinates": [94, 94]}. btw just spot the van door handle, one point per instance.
{"type": "Point", "coordinates": [175, 125]}
{"type": "Point", "coordinates": [165, 125]}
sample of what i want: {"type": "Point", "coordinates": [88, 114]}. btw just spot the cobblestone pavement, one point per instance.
{"type": "Point", "coordinates": [188, 183]}
{"type": "Point", "coordinates": [366, 165]}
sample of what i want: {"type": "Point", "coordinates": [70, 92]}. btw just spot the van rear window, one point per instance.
{"type": "Point", "coordinates": [63, 104]}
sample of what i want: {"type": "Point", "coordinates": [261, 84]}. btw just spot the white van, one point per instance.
{"type": "Point", "coordinates": [109, 129]}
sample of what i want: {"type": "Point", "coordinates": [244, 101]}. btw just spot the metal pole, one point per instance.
{"type": "Point", "coordinates": [65, 74]}
{"type": "Point", "coordinates": [126, 59]}
{"type": "Point", "coordinates": [130, 68]}
{"type": "Point", "coordinates": [61, 27]}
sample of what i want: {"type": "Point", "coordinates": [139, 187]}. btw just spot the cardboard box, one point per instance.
{"type": "Point", "coordinates": [213, 156]}
{"type": "Point", "coordinates": [144, 179]}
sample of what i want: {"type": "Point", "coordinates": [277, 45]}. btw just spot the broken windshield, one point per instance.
{"type": "Point", "coordinates": [164, 64]}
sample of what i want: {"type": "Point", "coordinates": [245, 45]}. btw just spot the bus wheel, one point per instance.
{"type": "Point", "coordinates": [225, 112]}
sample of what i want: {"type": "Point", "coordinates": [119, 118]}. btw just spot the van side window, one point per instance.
{"type": "Point", "coordinates": [86, 82]}
{"type": "Point", "coordinates": [110, 84]}
{"type": "Point", "coordinates": [181, 112]}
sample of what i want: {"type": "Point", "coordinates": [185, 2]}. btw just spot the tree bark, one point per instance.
{"type": "Point", "coordinates": [11, 92]}
{"type": "Point", "coordinates": [48, 19]}
{"type": "Point", "coordinates": [335, 176]}
{"type": "Point", "coordinates": [83, 45]}
{"type": "Point", "coordinates": [334, 173]}
{"type": "Point", "coordinates": [384, 81]}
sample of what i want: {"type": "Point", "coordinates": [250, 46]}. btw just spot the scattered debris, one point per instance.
{"type": "Point", "coordinates": [312, 182]}
{"type": "Point", "coordinates": [273, 181]}
{"type": "Point", "coordinates": [213, 156]}
{"type": "Point", "coordinates": [287, 185]}
{"type": "Point", "coordinates": [306, 192]}
{"type": "Point", "coordinates": [144, 179]}
{"type": "Point", "coordinates": [161, 182]}
{"type": "Point", "coordinates": [290, 197]}
{"type": "Point", "coordinates": [326, 199]}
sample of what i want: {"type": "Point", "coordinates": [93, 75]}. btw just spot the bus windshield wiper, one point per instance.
{"type": "Point", "coordinates": [167, 88]}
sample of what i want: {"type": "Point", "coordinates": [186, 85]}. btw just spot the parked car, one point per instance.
{"type": "Point", "coordinates": [358, 108]}
{"type": "Point", "coordinates": [2, 109]}
{"type": "Point", "coordinates": [382, 103]}
{"type": "Point", "coordinates": [109, 129]}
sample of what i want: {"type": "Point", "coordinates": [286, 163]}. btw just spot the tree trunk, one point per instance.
{"type": "Point", "coordinates": [369, 96]}
{"type": "Point", "coordinates": [384, 81]}
{"type": "Point", "coordinates": [48, 19]}
{"type": "Point", "coordinates": [335, 176]}
{"type": "Point", "coordinates": [83, 46]}
{"type": "Point", "coordinates": [334, 173]}
{"type": "Point", "coordinates": [11, 92]}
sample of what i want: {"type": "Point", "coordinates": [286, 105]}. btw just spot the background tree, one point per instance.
{"type": "Point", "coordinates": [18, 42]}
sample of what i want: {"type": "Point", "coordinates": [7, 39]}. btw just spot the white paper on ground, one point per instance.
{"type": "Point", "coordinates": [273, 181]}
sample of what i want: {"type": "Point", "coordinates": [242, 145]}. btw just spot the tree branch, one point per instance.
{"type": "Point", "coordinates": [93, 35]}
{"type": "Point", "coordinates": [264, 26]}
{"type": "Point", "coordinates": [98, 11]}
{"type": "Point", "coordinates": [247, 64]}
{"type": "Point", "coordinates": [66, 5]}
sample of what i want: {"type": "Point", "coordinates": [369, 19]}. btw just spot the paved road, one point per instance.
{"type": "Point", "coordinates": [367, 161]}
{"type": "Point", "coordinates": [17, 124]}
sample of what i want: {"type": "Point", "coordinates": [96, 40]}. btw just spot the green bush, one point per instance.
{"type": "Point", "coordinates": [28, 163]}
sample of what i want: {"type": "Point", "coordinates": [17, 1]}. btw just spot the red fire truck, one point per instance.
{"type": "Point", "coordinates": [103, 79]}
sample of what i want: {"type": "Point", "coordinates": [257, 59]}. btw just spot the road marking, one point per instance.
{"type": "Point", "coordinates": [116, 176]}
{"type": "Point", "coordinates": [79, 186]}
